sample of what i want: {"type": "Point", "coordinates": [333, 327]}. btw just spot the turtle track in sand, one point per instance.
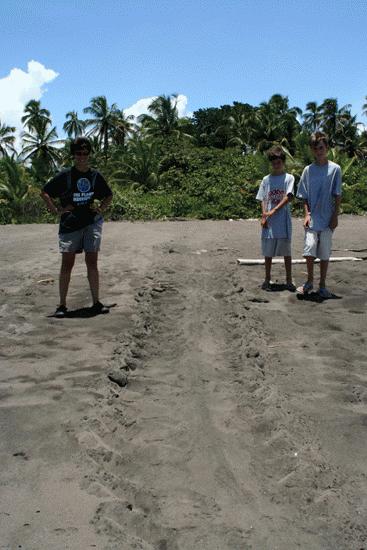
{"type": "Point", "coordinates": [203, 448]}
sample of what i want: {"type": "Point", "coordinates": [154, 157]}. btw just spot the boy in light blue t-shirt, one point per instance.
{"type": "Point", "coordinates": [275, 192]}
{"type": "Point", "coordinates": [320, 188]}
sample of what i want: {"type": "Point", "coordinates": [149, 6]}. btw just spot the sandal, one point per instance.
{"type": "Point", "coordinates": [60, 312]}
{"type": "Point", "coordinates": [291, 287]}
{"type": "Point", "coordinates": [266, 285]}
{"type": "Point", "coordinates": [98, 308]}
{"type": "Point", "coordinates": [305, 288]}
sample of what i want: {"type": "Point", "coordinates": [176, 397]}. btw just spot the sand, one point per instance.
{"type": "Point", "coordinates": [244, 419]}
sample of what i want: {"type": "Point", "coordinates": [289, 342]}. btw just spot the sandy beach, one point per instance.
{"type": "Point", "coordinates": [244, 419]}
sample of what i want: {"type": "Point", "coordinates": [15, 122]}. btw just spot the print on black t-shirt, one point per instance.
{"type": "Point", "coordinates": [84, 188]}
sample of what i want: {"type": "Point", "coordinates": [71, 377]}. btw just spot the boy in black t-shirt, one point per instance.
{"type": "Point", "coordinates": [80, 222]}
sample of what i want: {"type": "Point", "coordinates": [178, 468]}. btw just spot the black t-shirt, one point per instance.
{"type": "Point", "coordinates": [79, 189]}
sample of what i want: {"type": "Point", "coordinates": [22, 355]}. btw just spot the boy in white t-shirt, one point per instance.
{"type": "Point", "coordinates": [320, 188]}
{"type": "Point", "coordinates": [275, 193]}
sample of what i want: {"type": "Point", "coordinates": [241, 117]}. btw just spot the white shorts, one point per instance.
{"type": "Point", "coordinates": [318, 243]}
{"type": "Point", "coordinates": [87, 239]}
{"type": "Point", "coordinates": [275, 247]}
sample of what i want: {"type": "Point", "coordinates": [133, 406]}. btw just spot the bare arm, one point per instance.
{"type": "Point", "coordinates": [268, 213]}
{"type": "Point", "coordinates": [334, 218]}
{"type": "Point", "coordinates": [307, 220]}
{"type": "Point", "coordinates": [263, 214]}
{"type": "Point", "coordinates": [51, 206]}
{"type": "Point", "coordinates": [105, 203]}
{"type": "Point", "coordinates": [280, 205]}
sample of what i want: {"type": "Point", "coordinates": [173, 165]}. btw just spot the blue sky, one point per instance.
{"type": "Point", "coordinates": [213, 52]}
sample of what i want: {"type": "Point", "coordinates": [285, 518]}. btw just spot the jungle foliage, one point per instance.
{"type": "Point", "coordinates": [208, 165]}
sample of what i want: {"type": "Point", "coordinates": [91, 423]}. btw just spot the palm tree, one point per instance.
{"type": "Point", "coordinates": [330, 114]}
{"type": "Point", "coordinates": [74, 127]}
{"type": "Point", "coordinates": [41, 147]}
{"type": "Point", "coordinates": [164, 120]}
{"type": "Point", "coordinates": [205, 123]}
{"type": "Point", "coordinates": [7, 139]}
{"type": "Point", "coordinates": [275, 122]}
{"type": "Point", "coordinates": [364, 107]}
{"type": "Point", "coordinates": [347, 134]}
{"type": "Point", "coordinates": [312, 117]}
{"type": "Point", "coordinates": [241, 124]}
{"type": "Point", "coordinates": [103, 121]}
{"type": "Point", "coordinates": [237, 130]}
{"type": "Point", "coordinates": [34, 116]}
{"type": "Point", "coordinates": [122, 127]}
{"type": "Point", "coordinates": [140, 165]}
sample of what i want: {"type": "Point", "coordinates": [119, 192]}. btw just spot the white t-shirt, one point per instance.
{"type": "Point", "coordinates": [272, 190]}
{"type": "Point", "coordinates": [319, 185]}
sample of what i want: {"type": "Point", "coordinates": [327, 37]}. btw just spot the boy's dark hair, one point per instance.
{"type": "Point", "coordinates": [276, 152]}
{"type": "Point", "coordinates": [79, 144]}
{"type": "Point", "coordinates": [319, 137]}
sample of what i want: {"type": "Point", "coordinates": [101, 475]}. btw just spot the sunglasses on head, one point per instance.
{"type": "Point", "coordinates": [81, 153]}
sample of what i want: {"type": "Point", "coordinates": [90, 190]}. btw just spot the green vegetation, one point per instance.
{"type": "Point", "coordinates": [205, 166]}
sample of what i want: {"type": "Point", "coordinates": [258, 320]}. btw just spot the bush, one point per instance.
{"type": "Point", "coordinates": [354, 198]}
{"type": "Point", "coordinates": [6, 212]}
{"type": "Point", "coordinates": [192, 182]}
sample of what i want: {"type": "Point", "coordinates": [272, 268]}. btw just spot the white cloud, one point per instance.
{"type": "Point", "coordinates": [19, 87]}
{"type": "Point", "coordinates": [181, 105]}
{"type": "Point", "coordinates": [141, 106]}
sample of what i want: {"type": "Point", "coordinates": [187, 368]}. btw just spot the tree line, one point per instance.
{"type": "Point", "coordinates": [164, 159]}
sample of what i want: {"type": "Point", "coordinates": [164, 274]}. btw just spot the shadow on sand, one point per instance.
{"type": "Point", "coordinates": [315, 297]}
{"type": "Point", "coordinates": [82, 313]}
{"type": "Point", "coordinates": [309, 297]}
{"type": "Point", "coordinates": [279, 287]}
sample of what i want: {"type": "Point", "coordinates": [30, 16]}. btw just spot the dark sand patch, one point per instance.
{"type": "Point", "coordinates": [243, 422]}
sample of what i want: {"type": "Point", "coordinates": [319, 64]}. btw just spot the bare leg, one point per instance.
{"type": "Point", "coordinates": [310, 263]}
{"type": "Point", "coordinates": [67, 263]}
{"type": "Point", "coordinates": [91, 260]}
{"type": "Point", "coordinates": [324, 264]}
{"type": "Point", "coordinates": [288, 269]}
{"type": "Point", "coordinates": [268, 261]}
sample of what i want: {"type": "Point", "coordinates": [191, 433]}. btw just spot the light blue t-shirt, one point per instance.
{"type": "Point", "coordinates": [319, 185]}
{"type": "Point", "coordinates": [272, 190]}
